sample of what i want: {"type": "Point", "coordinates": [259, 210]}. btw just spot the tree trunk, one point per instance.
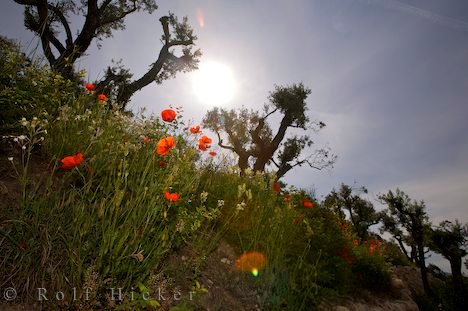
{"type": "Point", "coordinates": [414, 255]}
{"type": "Point", "coordinates": [403, 249]}
{"type": "Point", "coordinates": [243, 163]}
{"type": "Point", "coordinates": [457, 277]}
{"type": "Point", "coordinates": [261, 162]}
{"type": "Point", "coordinates": [422, 267]}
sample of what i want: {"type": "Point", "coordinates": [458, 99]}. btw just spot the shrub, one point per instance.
{"type": "Point", "coordinates": [370, 270]}
{"type": "Point", "coordinates": [27, 88]}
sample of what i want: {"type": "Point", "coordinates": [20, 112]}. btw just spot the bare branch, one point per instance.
{"type": "Point", "coordinates": [274, 162]}
{"type": "Point", "coordinates": [220, 143]}
{"type": "Point", "coordinates": [179, 42]}
{"type": "Point", "coordinates": [26, 2]}
{"type": "Point", "coordinates": [165, 23]}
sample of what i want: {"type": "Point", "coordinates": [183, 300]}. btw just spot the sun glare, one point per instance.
{"type": "Point", "coordinates": [213, 84]}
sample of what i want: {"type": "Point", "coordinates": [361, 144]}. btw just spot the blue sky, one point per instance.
{"type": "Point", "coordinates": [388, 77]}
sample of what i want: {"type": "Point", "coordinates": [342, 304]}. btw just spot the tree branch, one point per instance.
{"type": "Point", "coordinates": [27, 2]}
{"type": "Point", "coordinates": [220, 143]}
{"type": "Point", "coordinates": [165, 23]}
{"type": "Point", "coordinates": [118, 17]}
{"type": "Point", "coordinates": [274, 162]}
{"type": "Point", "coordinates": [179, 42]}
{"type": "Point", "coordinates": [285, 123]}
{"type": "Point", "coordinates": [104, 5]}
{"type": "Point", "coordinates": [63, 20]}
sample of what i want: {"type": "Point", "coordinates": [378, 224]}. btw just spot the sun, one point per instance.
{"type": "Point", "coordinates": [214, 84]}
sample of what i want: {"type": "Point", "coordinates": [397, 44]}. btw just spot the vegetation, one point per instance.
{"type": "Point", "coordinates": [100, 202]}
{"type": "Point", "coordinates": [252, 138]}
{"type": "Point", "coordinates": [49, 20]}
{"type": "Point", "coordinates": [449, 239]}
{"type": "Point", "coordinates": [412, 216]}
{"type": "Point", "coordinates": [117, 195]}
{"type": "Point", "coordinates": [361, 212]}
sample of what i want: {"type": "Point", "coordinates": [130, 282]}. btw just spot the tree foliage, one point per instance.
{"type": "Point", "coordinates": [50, 21]}
{"type": "Point", "coordinates": [408, 217]}
{"type": "Point", "coordinates": [450, 240]}
{"type": "Point", "coordinates": [252, 138]}
{"type": "Point", "coordinates": [361, 212]}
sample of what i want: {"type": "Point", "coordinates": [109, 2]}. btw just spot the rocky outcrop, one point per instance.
{"type": "Point", "coordinates": [406, 284]}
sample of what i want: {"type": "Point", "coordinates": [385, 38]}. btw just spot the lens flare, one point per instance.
{"type": "Point", "coordinates": [255, 272]}
{"type": "Point", "coordinates": [251, 262]}
{"type": "Point", "coordinates": [200, 18]}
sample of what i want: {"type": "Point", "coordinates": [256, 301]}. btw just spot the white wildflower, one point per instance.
{"type": "Point", "coordinates": [241, 190]}
{"type": "Point", "coordinates": [10, 159]}
{"type": "Point", "coordinates": [220, 203]}
{"type": "Point", "coordinates": [203, 196]}
{"type": "Point", "coordinates": [241, 206]}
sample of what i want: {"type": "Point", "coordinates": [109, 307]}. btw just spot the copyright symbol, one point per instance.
{"type": "Point", "coordinates": [9, 294]}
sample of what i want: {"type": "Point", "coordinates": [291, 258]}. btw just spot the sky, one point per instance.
{"type": "Point", "coordinates": [388, 77]}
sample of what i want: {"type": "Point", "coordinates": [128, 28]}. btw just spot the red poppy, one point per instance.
{"type": "Point", "coordinates": [195, 129]}
{"type": "Point", "coordinates": [89, 87]}
{"type": "Point", "coordinates": [212, 153]}
{"type": "Point", "coordinates": [276, 187]}
{"type": "Point", "coordinates": [287, 197]}
{"type": "Point", "coordinates": [168, 115]}
{"type": "Point", "coordinates": [165, 145]}
{"type": "Point", "coordinates": [307, 204]}
{"type": "Point", "coordinates": [171, 197]}
{"type": "Point", "coordinates": [102, 97]}
{"type": "Point", "coordinates": [204, 143]}
{"type": "Point", "coordinates": [346, 255]}
{"type": "Point", "coordinates": [146, 139]}
{"type": "Point", "coordinates": [71, 161]}
{"type": "Point", "coordinates": [162, 163]}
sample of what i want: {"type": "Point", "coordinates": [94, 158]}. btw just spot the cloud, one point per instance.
{"type": "Point", "coordinates": [425, 14]}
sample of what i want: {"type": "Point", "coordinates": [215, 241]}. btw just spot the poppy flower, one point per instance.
{"type": "Point", "coordinates": [102, 97]}
{"type": "Point", "coordinates": [195, 129]}
{"type": "Point", "coordinates": [162, 163]}
{"type": "Point", "coordinates": [168, 115]}
{"type": "Point", "coordinates": [146, 139]}
{"type": "Point", "coordinates": [89, 87]}
{"type": "Point", "coordinates": [171, 197]}
{"type": "Point", "coordinates": [212, 153]}
{"type": "Point", "coordinates": [307, 204]}
{"type": "Point", "coordinates": [70, 162]}
{"type": "Point", "coordinates": [204, 143]}
{"type": "Point", "coordinates": [287, 197]}
{"type": "Point", "coordinates": [276, 187]}
{"type": "Point", "coordinates": [165, 145]}
{"type": "Point", "coordinates": [346, 255]}
{"type": "Point", "coordinates": [251, 262]}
